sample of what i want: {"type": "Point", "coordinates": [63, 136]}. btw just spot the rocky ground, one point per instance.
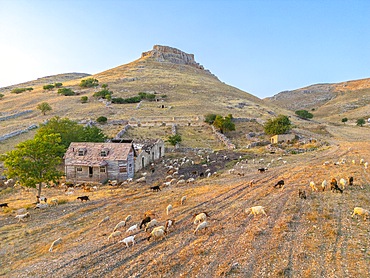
{"type": "Point", "coordinates": [313, 237]}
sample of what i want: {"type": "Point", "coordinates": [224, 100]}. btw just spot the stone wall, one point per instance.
{"type": "Point", "coordinates": [16, 115]}
{"type": "Point", "coordinates": [17, 132]}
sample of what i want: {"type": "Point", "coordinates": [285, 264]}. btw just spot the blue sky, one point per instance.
{"type": "Point", "coordinates": [261, 47]}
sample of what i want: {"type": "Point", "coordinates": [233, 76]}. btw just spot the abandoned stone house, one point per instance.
{"type": "Point", "coordinates": [147, 151]}
{"type": "Point", "coordinates": [282, 138]}
{"type": "Point", "coordinates": [99, 162]}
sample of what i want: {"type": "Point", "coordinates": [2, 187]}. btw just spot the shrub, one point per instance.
{"type": "Point", "coordinates": [58, 85]}
{"type": "Point", "coordinates": [304, 114]}
{"type": "Point", "coordinates": [120, 100]}
{"type": "Point", "coordinates": [48, 87]}
{"type": "Point", "coordinates": [20, 90]}
{"type": "Point", "coordinates": [102, 120]}
{"type": "Point", "coordinates": [66, 92]}
{"type": "Point", "coordinates": [44, 107]}
{"type": "Point", "coordinates": [1, 96]}
{"type": "Point", "coordinates": [344, 120]}
{"type": "Point", "coordinates": [147, 96]}
{"type": "Point", "coordinates": [84, 99]}
{"type": "Point", "coordinates": [89, 82]}
{"type": "Point", "coordinates": [174, 139]}
{"type": "Point", "coordinates": [103, 93]}
{"type": "Point", "coordinates": [280, 125]}
{"type": "Point", "coordinates": [360, 122]}
{"type": "Point", "coordinates": [210, 118]}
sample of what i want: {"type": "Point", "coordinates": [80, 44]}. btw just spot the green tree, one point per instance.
{"type": "Point", "coordinates": [224, 123]}
{"type": "Point", "coordinates": [174, 139]}
{"type": "Point", "coordinates": [48, 87]}
{"type": "Point", "coordinates": [44, 107]}
{"type": "Point", "coordinates": [280, 125]}
{"type": "Point", "coordinates": [1, 96]}
{"type": "Point", "coordinates": [89, 82]}
{"type": "Point", "coordinates": [103, 94]}
{"type": "Point", "coordinates": [58, 85]}
{"type": "Point", "coordinates": [304, 114]}
{"type": "Point", "coordinates": [104, 86]}
{"type": "Point", "coordinates": [210, 118]}
{"type": "Point", "coordinates": [360, 122]}
{"type": "Point", "coordinates": [344, 120]}
{"type": "Point", "coordinates": [34, 161]}
{"type": "Point", "coordinates": [70, 131]}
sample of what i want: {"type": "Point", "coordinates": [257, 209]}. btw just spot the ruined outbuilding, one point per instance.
{"type": "Point", "coordinates": [99, 162]}
{"type": "Point", "coordinates": [147, 151]}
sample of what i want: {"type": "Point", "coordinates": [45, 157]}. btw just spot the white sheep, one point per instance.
{"type": "Point", "coordinates": [41, 206]}
{"type": "Point", "coordinates": [366, 164]}
{"type": "Point", "coordinates": [313, 186]}
{"type": "Point", "coordinates": [200, 218]}
{"type": "Point", "coordinates": [169, 224]}
{"type": "Point", "coordinates": [55, 243]}
{"type": "Point", "coordinates": [324, 184]}
{"type": "Point", "coordinates": [190, 180]}
{"type": "Point", "coordinates": [168, 209]}
{"type": "Point", "coordinates": [326, 163]}
{"type": "Point", "coordinates": [201, 226]}
{"type": "Point", "coordinates": [158, 232]}
{"type": "Point", "coordinates": [256, 210]}
{"type": "Point", "coordinates": [343, 182]}
{"type": "Point", "coordinates": [119, 225]}
{"type": "Point", "coordinates": [129, 239]}
{"type": "Point", "coordinates": [360, 211]}
{"type": "Point", "coordinates": [151, 224]}
{"type": "Point", "coordinates": [181, 182]}
{"type": "Point", "coordinates": [183, 198]}
{"type": "Point", "coordinates": [114, 234]}
{"type": "Point", "coordinates": [21, 217]}
{"type": "Point", "coordinates": [132, 228]}
{"type": "Point", "coordinates": [362, 161]}
{"type": "Point", "coordinates": [106, 219]}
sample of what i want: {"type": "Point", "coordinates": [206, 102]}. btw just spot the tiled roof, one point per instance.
{"type": "Point", "coordinates": [92, 153]}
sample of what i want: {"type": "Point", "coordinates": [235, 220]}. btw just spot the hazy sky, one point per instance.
{"type": "Point", "coordinates": [262, 47]}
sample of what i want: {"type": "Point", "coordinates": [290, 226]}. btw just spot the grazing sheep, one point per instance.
{"type": "Point", "coordinates": [204, 225]}
{"type": "Point", "coordinates": [324, 184]}
{"type": "Point", "coordinates": [350, 180]}
{"type": "Point", "coordinates": [343, 183]}
{"type": "Point", "coordinates": [181, 182]}
{"type": "Point", "coordinates": [54, 201]}
{"type": "Point", "coordinates": [361, 211]}
{"type": "Point", "coordinates": [313, 186]}
{"type": "Point", "coordinates": [114, 234]}
{"type": "Point", "coordinates": [119, 225]}
{"type": "Point", "coordinates": [334, 186]}
{"type": "Point", "coordinates": [280, 184]}
{"type": "Point", "coordinates": [151, 224]}
{"type": "Point", "coordinates": [128, 218]}
{"type": "Point", "coordinates": [190, 180]}
{"type": "Point", "coordinates": [133, 228]}
{"type": "Point", "coordinates": [353, 161]}
{"type": "Point", "coordinates": [366, 164]}
{"type": "Point", "coordinates": [41, 206]}
{"type": "Point", "coordinates": [144, 221]}
{"type": "Point", "coordinates": [129, 239]}
{"type": "Point", "coordinates": [42, 199]}
{"type": "Point", "coordinates": [155, 188]}
{"type": "Point", "coordinates": [83, 198]}
{"type": "Point", "coordinates": [200, 218]}
{"type": "Point", "coordinates": [326, 163]}
{"type": "Point", "coordinates": [3, 205]}
{"type": "Point", "coordinates": [106, 219]}
{"type": "Point", "coordinates": [362, 161]}
{"type": "Point", "coordinates": [302, 194]}
{"type": "Point", "coordinates": [157, 232]}
{"type": "Point", "coordinates": [21, 217]}
{"type": "Point", "coordinates": [183, 198]}
{"type": "Point", "coordinates": [142, 179]}
{"type": "Point", "coordinates": [169, 223]}
{"type": "Point", "coordinates": [168, 209]}
{"type": "Point", "coordinates": [55, 243]}
{"type": "Point", "coordinates": [251, 182]}
{"type": "Point", "coordinates": [256, 210]}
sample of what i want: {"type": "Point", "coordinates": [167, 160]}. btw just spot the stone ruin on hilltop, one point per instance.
{"type": "Point", "coordinates": [173, 55]}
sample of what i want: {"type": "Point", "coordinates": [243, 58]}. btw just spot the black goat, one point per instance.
{"type": "Point", "coordinates": [83, 198]}
{"type": "Point", "coordinates": [350, 180]}
{"type": "Point", "coordinates": [261, 170]}
{"type": "Point", "coordinates": [280, 183]}
{"type": "Point", "coordinates": [334, 186]}
{"type": "Point", "coordinates": [3, 205]}
{"type": "Point", "coordinates": [144, 221]}
{"type": "Point", "coordinates": [155, 188]}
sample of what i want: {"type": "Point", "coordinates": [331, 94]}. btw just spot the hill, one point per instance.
{"type": "Point", "coordinates": [184, 90]}
{"type": "Point", "coordinates": [330, 102]}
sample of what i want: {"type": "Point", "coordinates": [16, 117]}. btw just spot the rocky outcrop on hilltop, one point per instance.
{"type": "Point", "coordinates": [173, 55]}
